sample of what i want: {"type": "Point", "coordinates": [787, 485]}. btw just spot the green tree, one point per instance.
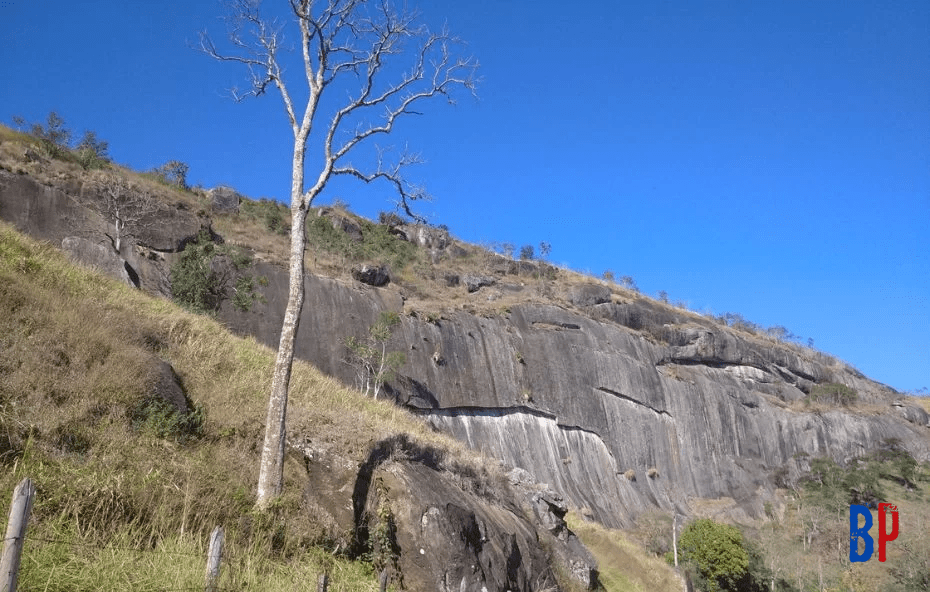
{"type": "Point", "coordinates": [716, 553]}
{"type": "Point", "coordinates": [91, 152]}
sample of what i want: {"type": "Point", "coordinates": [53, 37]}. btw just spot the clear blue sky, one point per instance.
{"type": "Point", "coordinates": [765, 158]}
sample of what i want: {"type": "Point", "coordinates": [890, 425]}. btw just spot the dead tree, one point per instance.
{"type": "Point", "coordinates": [125, 206]}
{"type": "Point", "coordinates": [386, 64]}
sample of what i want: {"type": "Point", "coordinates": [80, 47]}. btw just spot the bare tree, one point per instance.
{"type": "Point", "coordinates": [125, 206]}
{"type": "Point", "coordinates": [387, 64]}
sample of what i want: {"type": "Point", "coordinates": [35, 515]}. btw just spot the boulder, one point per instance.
{"type": "Point", "coordinates": [589, 295]}
{"type": "Point", "coordinates": [224, 200]}
{"type": "Point", "coordinates": [425, 236]}
{"type": "Point", "coordinates": [913, 414]}
{"type": "Point", "coordinates": [457, 532]}
{"type": "Point", "coordinates": [473, 283]}
{"type": "Point", "coordinates": [373, 275]}
{"type": "Point", "coordinates": [343, 223]}
{"type": "Point", "coordinates": [101, 257]}
{"type": "Point", "coordinates": [167, 387]}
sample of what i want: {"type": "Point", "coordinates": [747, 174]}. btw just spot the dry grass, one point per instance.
{"type": "Point", "coordinates": [622, 565]}
{"type": "Point", "coordinates": [922, 402]}
{"type": "Point", "coordinates": [76, 360]}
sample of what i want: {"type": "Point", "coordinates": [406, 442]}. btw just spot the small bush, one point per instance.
{"type": "Point", "coordinates": [527, 253]}
{"type": "Point", "coordinates": [833, 393]}
{"type": "Point", "coordinates": [54, 137]}
{"type": "Point", "coordinates": [630, 475]}
{"type": "Point", "coordinates": [194, 283]}
{"type": "Point", "coordinates": [91, 152]}
{"type": "Point", "coordinates": [271, 214]}
{"type": "Point", "coordinates": [652, 473]}
{"type": "Point", "coordinates": [390, 219]}
{"type": "Point", "coordinates": [173, 172]}
{"type": "Point", "coordinates": [245, 293]}
{"type": "Point", "coordinates": [164, 420]}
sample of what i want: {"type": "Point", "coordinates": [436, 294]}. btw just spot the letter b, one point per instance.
{"type": "Point", "coordinates": [855, 533]}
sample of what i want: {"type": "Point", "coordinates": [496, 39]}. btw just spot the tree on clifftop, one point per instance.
{"type": "Point", "coordinates": [385, 64]}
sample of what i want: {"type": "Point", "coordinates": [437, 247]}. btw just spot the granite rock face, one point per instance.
{"type": "Point", "coordinates": [577, 397]}
{"type": "Point", "coordinates": [575, 392]}
{"type": "Point", "coordinates": [224, 199]}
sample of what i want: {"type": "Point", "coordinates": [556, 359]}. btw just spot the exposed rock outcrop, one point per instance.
{"type": "Point", "coordinates": [577, 401]}
{"type": "Point", "coordinates": [373, 275]}
{"type": "Point", "coordinates": [576, 391]}
{"type": "Point", "coordinates": [449, 529]}
{"type": "Point", "coordinates": [224, 200]}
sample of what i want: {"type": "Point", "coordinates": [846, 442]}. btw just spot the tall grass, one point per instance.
{"type": "Point", "coordinates": [119, 505]}
{"type": "Point", "coordinates": [623, 566]}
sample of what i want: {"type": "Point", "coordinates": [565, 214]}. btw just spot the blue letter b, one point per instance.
{"type": "Point", "coordinates": [855, 533]}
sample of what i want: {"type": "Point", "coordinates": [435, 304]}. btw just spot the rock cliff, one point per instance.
{"type": "Point", "coordinates": [616, 402]}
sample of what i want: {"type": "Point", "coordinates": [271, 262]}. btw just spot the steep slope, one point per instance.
{"type": "Point", "coordinates": [578, 399]}
{"type": "Point", "coordinates": [140, 421]}
{"type": "Point", "coordinates": [618, 402]}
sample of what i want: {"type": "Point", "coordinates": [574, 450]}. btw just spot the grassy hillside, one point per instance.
{"type": "Point", "coordinates": [128, 489]}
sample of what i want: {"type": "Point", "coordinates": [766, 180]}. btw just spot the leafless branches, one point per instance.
{"type": "Point", "coordinates": [386, 64]}
{"type": "Point", "coordinates": [124, 205]}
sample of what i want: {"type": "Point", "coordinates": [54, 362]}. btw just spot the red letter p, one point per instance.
{"type": "Point", "coordinates": [884, 537]}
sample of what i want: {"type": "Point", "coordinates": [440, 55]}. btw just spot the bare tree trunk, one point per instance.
{"type": "Point", "coordinates": [338, 40]}
{"type": "Point", "coordinates": [271, 468]}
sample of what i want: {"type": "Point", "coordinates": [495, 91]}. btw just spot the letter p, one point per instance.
{"type": "Point", "coordinates": [884, 537]}
{"type": "Point", "coordinates": [856, 533]}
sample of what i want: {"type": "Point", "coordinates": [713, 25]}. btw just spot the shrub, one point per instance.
{"type": "Point", "coordinates": [245, 293]}
{"type": "Point", "coordinates": [173, 172]}
{"type": "Point", "coordinates": [630, 475]}
{"type": "Point", "coordinates": [833, 393]}
{"type": "Point", "coordinates": [91, 152]}
{"type": "Point", "coordinates": [716, 553]}
{"type": "Point", "coordinates": [390, 219]}
{"type": "Point", "coordinates": [54, 136]}
{"type": "Point", "coordinates": [194, 283]}
{"type": "Point", "coordinates": [164, 420]}
{"type": "Point", "coordinates": [270, 213]}
{"type": "Point", "coordinates": [652, 473]}
{"type": "Point", "coordinates": [544, 249]}
{"type": "Point", "coordinates": [321, 235]}
{"type": "Point", "coordinates": [527, 253]}
{"type": "Point", "coordinates": [629, 283]}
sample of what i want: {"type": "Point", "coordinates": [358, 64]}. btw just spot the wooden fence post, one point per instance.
{"type": "Point", "coordinates": [214, 555]}
{"type": "Point", "coordinates": [16, 534]}
{"type": "Point", "coordinates": [322, 583]}
{"type": "Point", "coordinates": [382, 587]}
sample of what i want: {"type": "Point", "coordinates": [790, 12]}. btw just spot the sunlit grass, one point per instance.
{"type": "Point", "coordinates": [77, 356]}
{"type": "Point", "coordinates": [622, 565]}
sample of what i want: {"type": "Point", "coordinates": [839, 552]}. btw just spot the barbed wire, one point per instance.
{"type": "Point", "coordinates": [110, 547]}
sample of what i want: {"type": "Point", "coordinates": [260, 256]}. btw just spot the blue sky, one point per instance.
{"type": "Point", "coordinates": [765, 158]}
